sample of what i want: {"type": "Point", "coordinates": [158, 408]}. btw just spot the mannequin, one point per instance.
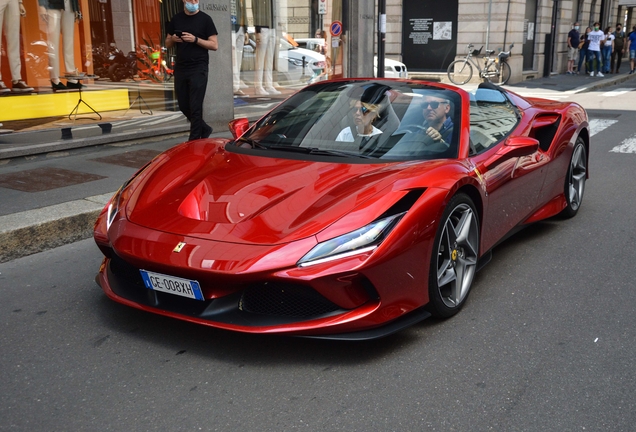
{"type": "Point", "coordinates": [10, 11]}
{"type": "Point", "coordinates": [265, 48]}
{"type": "Point", "coordinates": [60, 15]}
{"type": "Point", "coordinates": [239, 39]}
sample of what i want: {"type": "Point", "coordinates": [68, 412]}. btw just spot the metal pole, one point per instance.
{"type": "Point", "coordinates": [488, 25]}
{"type": "Point", "coordinates": [381, 36]}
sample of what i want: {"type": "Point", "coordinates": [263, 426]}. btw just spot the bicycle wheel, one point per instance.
{"type": "Point", "coordinates": [498, 75]}
{"type": "Point", "coordinates": [460, 72]}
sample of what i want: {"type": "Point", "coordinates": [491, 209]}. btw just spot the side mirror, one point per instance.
{"type": "Point", "coordinates": [519, 146]}
{"type": "Point", "coordinates": [238, 127]}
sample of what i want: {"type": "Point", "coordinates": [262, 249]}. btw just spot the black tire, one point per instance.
{"type": "Point", "coordinates": [498, 76]}
{"type": "Point", "coordinates": [460, 72]}
{"type": "Point", "coordinates": [575, 180]}
{"type": "Point", "coordinates": [454, 257]}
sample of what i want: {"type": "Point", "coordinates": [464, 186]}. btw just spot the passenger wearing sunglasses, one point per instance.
{"type": "Point", "coordinates": [437, 122]}
{"type": "Point", "coordinates": [364, 114]}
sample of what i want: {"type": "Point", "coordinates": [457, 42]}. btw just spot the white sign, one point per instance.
{"type": "Point", "coordinates": [322, 7]}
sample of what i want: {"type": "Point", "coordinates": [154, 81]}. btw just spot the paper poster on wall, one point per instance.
{"type": "Point", "coordinates": [443, 30]}
{"type": "Point", "coordinates": [530, 31]}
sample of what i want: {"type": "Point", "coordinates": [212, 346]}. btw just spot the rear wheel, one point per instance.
{"type": "Point", "coordinates": [500, 75]}
{"type": "Point", "coordinates": [454, 257]}
{"type": "Point", "coordinates": [575, 180]}
{"type": "Point", "coordinates": [460, 72]}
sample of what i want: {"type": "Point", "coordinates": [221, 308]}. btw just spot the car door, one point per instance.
{"type": "Point", "coordinates": [510, 168]}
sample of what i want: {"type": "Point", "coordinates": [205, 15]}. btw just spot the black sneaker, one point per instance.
{"type": "Point", "coordinates": [74, 86]}
{"type": "Point", "coordinates": [58, 86]}
{"type": "Point", "coordinates": [207, 131]}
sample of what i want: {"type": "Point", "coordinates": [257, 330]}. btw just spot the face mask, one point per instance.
{"type": "Point", "coordinates": [576, 27]}
{"type": "Point", "coordinates": [595, 28]}
{"type": "Point", "coordinates": [192, 7]}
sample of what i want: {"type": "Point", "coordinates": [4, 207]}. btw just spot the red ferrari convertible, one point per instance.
{"type": "Point", "coordinates": [352, 210]}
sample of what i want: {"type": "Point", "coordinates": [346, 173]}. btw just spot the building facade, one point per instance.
{"type": "Point", "coordinates": [425, 36]}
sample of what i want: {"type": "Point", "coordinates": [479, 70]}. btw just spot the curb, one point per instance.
{"type": "Point", "coordinates": [108, 138]}
{"type": "Point", "coordinates": [33, 231]}
{"type": "Point", "coordinates": [602, 84]}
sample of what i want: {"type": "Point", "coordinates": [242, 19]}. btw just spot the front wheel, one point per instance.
{"type": "Point", "coordinates": [460, 72]}
{"type": "Point", "coordinates": [454, 257]}
{"type": "Point", "coordinates": [575, 180]}
{"type": "Point", "coordinates": [498, 75]}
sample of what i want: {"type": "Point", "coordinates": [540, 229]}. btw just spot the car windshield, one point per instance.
{"type": "Point", "coordinates": [366, 120]}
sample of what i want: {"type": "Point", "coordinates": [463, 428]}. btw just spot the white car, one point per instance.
{"type": "Point", "coordinates": [290, 68]}
{"type": "Point", "coordinates": [392, 68]}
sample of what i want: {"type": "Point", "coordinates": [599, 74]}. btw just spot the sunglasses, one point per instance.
{"type": "Point", "coordinates": [433, 105]}
{"type": "Point", "coordinates": [362, 109]}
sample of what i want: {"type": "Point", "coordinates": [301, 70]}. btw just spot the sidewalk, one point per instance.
{"type": "Point", "coordinates": [574, 83]}
{"type": "Point", "coordinates": [38, 219]}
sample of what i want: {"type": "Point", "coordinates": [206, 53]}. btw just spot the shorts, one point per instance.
{"type": "Point", "coordinates": [572, 53]}
{"type": "Point", "coordinates": [632, 54]}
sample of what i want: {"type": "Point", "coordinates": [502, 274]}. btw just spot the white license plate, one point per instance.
{"type": "Point", "coordinates": [172, 285]}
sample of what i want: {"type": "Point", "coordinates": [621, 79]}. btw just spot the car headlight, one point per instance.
{"type": "Point", "coordinates": [113, 206]}
{"type": "Point", "coordinates": [295, 62]}
{"type": "Point", "coordinates": [359, 241]}
{"type": "Point", "coordinates": [115, 201]}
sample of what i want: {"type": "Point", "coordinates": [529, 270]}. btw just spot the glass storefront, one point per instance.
{"type": "Point", "coordinates": [65, 58]}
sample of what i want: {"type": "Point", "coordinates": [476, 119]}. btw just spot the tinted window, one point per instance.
{"type": "Point", "coordinates": [492, 118]}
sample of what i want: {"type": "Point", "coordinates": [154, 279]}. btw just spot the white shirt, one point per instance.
{"type": "Point", "coordinates": [609, 40]}
{"type": "Point", "coordinates": [346, 135]}
{"type": "Point", "coordinates": [595, 38]}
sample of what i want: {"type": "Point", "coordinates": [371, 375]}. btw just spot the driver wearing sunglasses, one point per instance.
{"type": "Point", "coordinates": [437, 122]}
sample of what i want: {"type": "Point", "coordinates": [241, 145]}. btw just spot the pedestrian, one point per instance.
{"type": "Point", "coordinates": [194, 34]}
{"type": "Point", "coordinates": [619, 49]}
{"type": "Point", "coordinates": [573, 45]}
{"type": "Point", "coordinates": [595, 37]}
{"type": "Point", "coordinates": [583, 52]}
{"type": "Point", "coordinates": [631, 48]}
{"type": "Point", "coordinates": [607, 49]}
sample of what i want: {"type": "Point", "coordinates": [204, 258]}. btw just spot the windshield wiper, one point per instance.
{"type": "Point", "coordinates": [319, 151]}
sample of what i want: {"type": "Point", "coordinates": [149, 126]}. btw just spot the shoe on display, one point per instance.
{"type": "Point", "coordinates": [272, 91]}
{"type": "Point", "coordinates": [600, 74]}
{"type": "Point", "coordinates": [20, 87]}
{"type": "Point", "coordinates": [74, 86]}
{"type": "Point", "coordinates": [58, 86]}
{"type": "Point", "coordinates": [260, 91]}
{"type": "Point", "coordinates": [239, 92]}
{"type": "Point", "coordinates": [4, 88]}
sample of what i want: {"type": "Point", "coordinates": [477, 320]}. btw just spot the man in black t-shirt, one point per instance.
{"type": "Point", "coordinates": [194, 34]}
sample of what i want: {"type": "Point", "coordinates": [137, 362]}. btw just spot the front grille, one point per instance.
{"type": "Point", "coordinates": [260, 304]}
{"type": "Point", "coordinates": [285, 300]}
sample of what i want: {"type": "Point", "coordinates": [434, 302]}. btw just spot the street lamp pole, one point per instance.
{"type": "Point", "coordinates": [381, 36]}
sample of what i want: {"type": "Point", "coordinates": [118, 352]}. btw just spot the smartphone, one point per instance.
{"type": "Point", "coordinates": [178, 33]}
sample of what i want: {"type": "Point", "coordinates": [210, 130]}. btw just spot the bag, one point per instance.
{"type": "Point", "coordinates": [581, 44]}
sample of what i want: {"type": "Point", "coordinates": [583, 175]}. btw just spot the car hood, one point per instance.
{"type": "Point", "coordinates": [200, 189]}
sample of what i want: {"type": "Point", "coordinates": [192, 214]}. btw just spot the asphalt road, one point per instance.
{"type": "Point", "coordinates": [546, 342]}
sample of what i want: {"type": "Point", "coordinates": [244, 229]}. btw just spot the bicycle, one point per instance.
{"type": "Point", "coordinates": [496, 70]}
